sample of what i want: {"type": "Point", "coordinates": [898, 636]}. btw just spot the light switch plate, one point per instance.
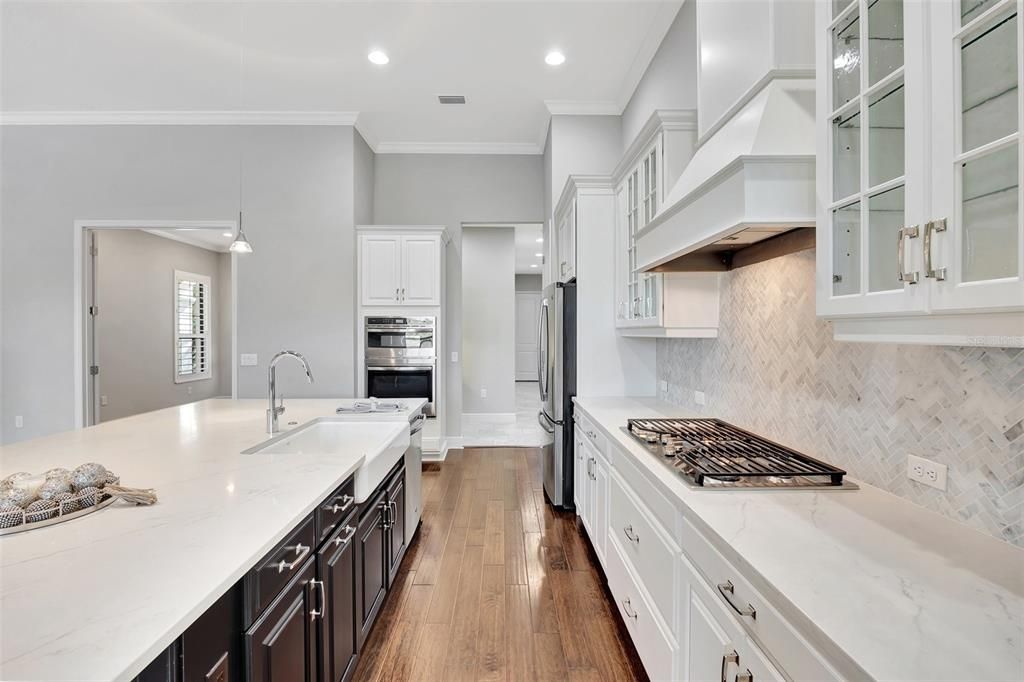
{"type": "Point", "coordinates": [249, 360]}
{"type": "Point", "coordinates": [103, 401]}
{"type": "Point", "coordinates": [700, 398]}
{"type": "Point", "coordinates": [455, 356]}
{"type": "Point", "coordinates": [927, 472]}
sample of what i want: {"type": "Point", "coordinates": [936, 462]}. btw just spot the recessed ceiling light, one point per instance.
{"type": "Point", "coordinates": [554, 58]}
{"type": "Point", "coordinates": [533, 265]}
{"type": "Point", "coordinates": [540, 240]}
{"type": "Point", "coordinates": [378, 57]}
{"type": "Point", "coordinates": [539, 255]}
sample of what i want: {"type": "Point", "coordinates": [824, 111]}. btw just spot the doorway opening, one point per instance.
{"type": "Point", "coordinates": [155, 316]}
{"type": "Point", "coordinates": [501, 295]}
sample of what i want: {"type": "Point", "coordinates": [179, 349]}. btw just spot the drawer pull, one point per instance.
{"type": "Point", "coordinates": [727, 589]}
{"type": "Point", "coordinates": [346, 502]}
{"type": "Point", "coordinates": [301, 552]}
{"type": "Point", "coordinates": [731, 657]}
{"type": "Point", "coordinates": [628, 608]}
{"type": "Point", "coordinates": [628, 530]}
{"type": "Point", "coordinates": [339, 541]}
{"type": "Point", "coordinates": [592, 435]}
{"type": "Point", "coordinates": [745, 677]}
{"type": "Point", "coordinates": [313, 613]}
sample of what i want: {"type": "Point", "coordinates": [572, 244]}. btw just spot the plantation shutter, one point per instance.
{"type": "Point", "coordinates": [191, 327]}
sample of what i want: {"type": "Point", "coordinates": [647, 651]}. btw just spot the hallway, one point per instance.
{"type": "Point", "coordinates": [524, 431]}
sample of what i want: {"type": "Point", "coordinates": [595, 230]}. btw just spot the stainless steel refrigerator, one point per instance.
{"type": "Point", "coordinates": [556, 368]}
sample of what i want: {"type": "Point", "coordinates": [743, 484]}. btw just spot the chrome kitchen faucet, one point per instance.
{"type": "Point", "coordinates": [273, 410]}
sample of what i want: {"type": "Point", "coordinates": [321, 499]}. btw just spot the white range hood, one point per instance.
{"type": "Point", "coordinates": [749, 182]}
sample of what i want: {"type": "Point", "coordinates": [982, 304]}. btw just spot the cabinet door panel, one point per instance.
{"type": "Point", "coordinates": [371, 572]}
{"type": "Point", "coordinates": [380, 259]}
{"type": "Point", "coordinates": [281, 644]}
{"type": "Point", "coordinates": [336, 568]}
{"type": "Point", "coordinates": [396, 536]}
{"type": "Point", "coordinates": [421, 270]}
{"type": "Point", "coordinates": [601, 490]}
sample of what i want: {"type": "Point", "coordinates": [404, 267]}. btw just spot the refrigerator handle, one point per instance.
{"type": "Point", "coordinates": [542, 420]}
{"type": "Point", "coordinates": [542, 351]}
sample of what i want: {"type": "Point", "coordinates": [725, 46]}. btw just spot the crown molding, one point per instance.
{"type": "Point", "coordinates": [325, 118]}
{"type": "Point", "coordinates": [582, 107]}
{"type": "Point", "coordinates": [659, 120]}
{"type": "Point", "coordinates": [531, 148]}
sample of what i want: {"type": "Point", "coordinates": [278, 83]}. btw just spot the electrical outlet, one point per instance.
{"type": "Point", "coordinates": [249, 360]}
{"type": "Point", "coordinates": [700, 398]}
{"type": "Point", "coordinates": [483, 392]}
{"type": "Point", "coordinates": [927, 472]}
{"type": "Point", "coordinates": [103, 401]}
{"type": "Point", "coordinates": [455, 356]}
{"type": "Point", "coordinates": [663, 386]}
{"type": "Point", "coordinates": [19, 422]}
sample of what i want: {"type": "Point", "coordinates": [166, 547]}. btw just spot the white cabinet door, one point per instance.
{"type": "Point", "coordinates": [710, 652]}
{"type": "Point", "coordinates": [421, 270]}
{"type": "Point", "coordinates": [580, 474]}
{"type": "Point", "coordinates": [380, 265]}
{"type": "Point", "coordinates": [570, 242]}
{"type": "Point", "coordinates": [976, 229]}
{"type": "Point", "coordinates": [601, 481]}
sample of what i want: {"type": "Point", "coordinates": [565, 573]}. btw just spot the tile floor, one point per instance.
{"type": "Point", "coordinates": [523, 432]}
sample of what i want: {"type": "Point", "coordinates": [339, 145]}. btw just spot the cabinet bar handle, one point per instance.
{"type": "Point", "coordinates": [403, 293]}
{"type": "Point", "coordinates": [727, 589]}
{"type": "Point", "coordinates": [396, 293]}
{"type": "Point", "coordinates": [939, 274]}
{"type": "Point", "coordinates": [628, 530]}
{"type": "Point", "coordinates": [313, 613]}
{"type": "Point", "coordinates": [745, 677]}
{"type": "Point", "coordinates": [904, 234]}
{"type": "Point", "coordinates": [301, 552]}
{"type": "Point", "coordinates": [731, 657]}
{"type": "Point", "coordinates": [346, 502]}
{"type": "Point", "coordinates": [628, 608]}
{"type": "Point", "coordinates": [339, 541]}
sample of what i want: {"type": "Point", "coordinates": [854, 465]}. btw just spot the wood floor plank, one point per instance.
{"type": "Point", "coordinates": [548, 657]}
{"type": "Point", "coordinates": [376, 646]}
{"type": "Point", "coordinates": [515, 551]}
{"type": "Point", "coordinates": [542, 604]}
{"type": "Point", "coordinates": [548, 522]}
{"type": "Point", "coordinates": [494, 533]}
{"type": "Point", "coordinates": [576, 552]}
{"type": "Point", "coordinates": [442, 601]}
{"type": "Point", "coordinates": [574, 639]}
{"type": "Point", "coordinates": [461, 663]}
{"type": "Point", "coordinates": [428, 662]}
{"type": "Point", "coordinates": [519, 658]}
{"type": "Point", "coordinates": [491, 662]}
{"type": "Point", "coordinates": [428, 565]}
{"type": "Point", "coordinates": [478, 517]}
{"type": "Point", "coordinates": [606, 652]}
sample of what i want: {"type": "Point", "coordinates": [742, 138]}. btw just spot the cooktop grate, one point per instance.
{"type": "Point", "coordinates": [711, 448]}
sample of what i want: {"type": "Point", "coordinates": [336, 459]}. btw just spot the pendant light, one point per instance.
{"type": "Point", "coordinates": [241, 243]}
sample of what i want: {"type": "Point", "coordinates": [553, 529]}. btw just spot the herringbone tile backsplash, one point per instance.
{"type": "Point", "coordinates": [776, 370]}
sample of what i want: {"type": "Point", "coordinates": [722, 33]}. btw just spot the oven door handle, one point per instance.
{"type": "Point", "coordinates": [417, 425]}
{"type": "Point", "coordinates": [403, 368]}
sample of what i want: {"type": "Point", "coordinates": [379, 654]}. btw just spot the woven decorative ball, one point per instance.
{"type": "Point", "coordinates": [40, 510]}
{"type": "Point", "coordinates": [112, 478]}
{"type": "Point", "coordinates": [91, 475]}
{"type": "Point", "coordinates": [16, 497]}
{"type": "Point", "coordinates": [14, 478]}
{"type": "Point", "coordinates": [66, 502]}
{"type": "Point", "coordinates": [59, 472]}
{"type": "Point", "coordinates": [10, 516]}
{"type": "Point", "coordinates": [87, 497]}
{"type": "Point", "coordinates": [52, 487]}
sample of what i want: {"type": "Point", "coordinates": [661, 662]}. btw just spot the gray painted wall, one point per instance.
{"type": "Point", "coordinates": [488, 319]}
{"type": "Point", "coordinates": [135, 330]}
{"type": "Point", "coordinates": [296, 290]}
{"type": "Point", "coordinates": [451, 190]}
{"type": "Point", "coordinates": [528, 283]}
{"type": "Point", "coordinates": [583, 145]}
{"type": "Point", "coordinates": [670, 81]}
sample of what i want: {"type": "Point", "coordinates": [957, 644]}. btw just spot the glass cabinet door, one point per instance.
{"type": "Point", "coordinates": [974, 241]}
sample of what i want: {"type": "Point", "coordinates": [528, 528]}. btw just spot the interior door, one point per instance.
{"type": "Point", "coordinates": [380, 269]}
{"type": "Point", "coordinates": [421, 277]}
{"type": "Point", "coordinates": [527, 319]}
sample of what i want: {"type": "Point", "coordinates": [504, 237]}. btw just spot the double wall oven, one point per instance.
{"type": "Point", "coordinates": [401, 358]}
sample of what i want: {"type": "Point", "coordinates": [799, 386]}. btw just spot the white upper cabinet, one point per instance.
{"type": "Point", "coordinates": [919, 229]}
{"type": "Point", "coordinates": [400, 269]}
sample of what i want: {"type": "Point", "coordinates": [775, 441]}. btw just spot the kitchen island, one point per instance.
{"type": "Point", "coordinates": [99, 597]}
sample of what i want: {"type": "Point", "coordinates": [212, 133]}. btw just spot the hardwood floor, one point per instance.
{"type": "Point", "coordinates": [497, 586]}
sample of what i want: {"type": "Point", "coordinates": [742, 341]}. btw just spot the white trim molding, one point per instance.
{"type": "Point", "coordinates": [72, 118]}
{"type": "Point", "coordinates": [659, 120]}
{"type": "Point", "coordinates": [528, 148]}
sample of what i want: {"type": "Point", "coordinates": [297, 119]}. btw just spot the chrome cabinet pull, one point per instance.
{"type": "Point", "coordinates": [313, 613]}
{"type": "Point", "coordinates": [396, 293]}
{"type": "Point", "coordinates": [904, 234]}
{"type": "Point", "coordinates": [745, 677]}
{"type": "Point", "coordinates": [592, 435]}
{"type": "Point", "coordinates": [346, 502]}
{"type": "Point", "coordinates": [628, 530]}
{"type": "Point", "coordinates": [339, 541]}
{"type": "Point", "coordinates": [627, 607]}
{"type": "Point", "coordinates": [727, 589]}
{"type": "Point", "coordinates": [731, 657]}
{"type": "Point", "coordinates": [938, 274]}
{"type": "Point", "coordinates": [403, 293]}
{"type": "Point", "coordinates": [301, 552]}
{"type": "Point", "coordinates": [385, 513]}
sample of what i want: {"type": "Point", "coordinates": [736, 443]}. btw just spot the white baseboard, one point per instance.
{"type": "Point", "coordinates": [489, 417]}
{"type": "Point", "coordinates": [441, 454]}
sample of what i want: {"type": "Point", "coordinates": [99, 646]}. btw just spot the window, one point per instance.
{"type": "Point", "coordinates": [191, 327]}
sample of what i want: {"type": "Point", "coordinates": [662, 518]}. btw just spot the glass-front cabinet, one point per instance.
{"type": "Point", "coordinates": [919, 157]}
{"type": "Point", "coordinates": [638, 199]}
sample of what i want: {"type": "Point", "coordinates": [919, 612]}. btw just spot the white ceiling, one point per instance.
{"type": "Point", "coordinates": [527, 248]}
{"type": "Point", "coordinates": [109, 61]}
{"type": "Point", "coordinates": [211, 240]}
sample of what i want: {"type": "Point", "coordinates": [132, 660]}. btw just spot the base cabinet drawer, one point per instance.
{"type": "Point", "coordinates": [658, 650]}
{"type": "Point", "coordinates": [281, 644]}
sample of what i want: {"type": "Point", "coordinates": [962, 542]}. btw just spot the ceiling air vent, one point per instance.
{"type": "Point", "coordinates": [451, 99]}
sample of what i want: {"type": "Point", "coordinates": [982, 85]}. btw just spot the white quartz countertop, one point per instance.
{"type": "Point", "coordinates": [97, 598]}
{"type": "Point", "coordinates": [904, 593]}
